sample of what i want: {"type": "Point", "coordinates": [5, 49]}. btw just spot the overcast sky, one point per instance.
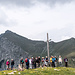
{"type": "Point", "coordinates": [34, 18]}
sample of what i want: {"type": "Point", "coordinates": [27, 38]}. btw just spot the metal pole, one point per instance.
{"type": "Point", "coordinates": [48, 47]}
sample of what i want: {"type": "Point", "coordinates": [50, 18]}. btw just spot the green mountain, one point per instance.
{"type": "Point", "coordinates": [15, 46]}
{"type": "Point", "coordinates": [30, 46]}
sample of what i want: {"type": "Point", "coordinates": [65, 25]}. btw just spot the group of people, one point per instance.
{"type": "Point", "coordinates": [30, 62]}
{"type": "Point", "coordinates": [8, 63]}
{"type": "Point", "coordinates": [37, 62]}
{"type": "Point", "coordinates": [55, 62]}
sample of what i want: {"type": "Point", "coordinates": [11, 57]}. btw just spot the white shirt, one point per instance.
{"type": "Point", "coordinates": [60, 59]}
{"type": "Point", "coordinates": [30, 61]}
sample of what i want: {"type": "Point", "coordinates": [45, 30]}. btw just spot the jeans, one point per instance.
{"type": "Point", "coordinates": [12, 67]}
{"type": "Point", "coordinates": [60, 64]}
{"type": "Point", "coordinates": [27, 66]}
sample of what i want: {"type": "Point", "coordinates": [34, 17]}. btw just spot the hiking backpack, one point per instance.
{"type": "Point", "coordinates": [26, 60]}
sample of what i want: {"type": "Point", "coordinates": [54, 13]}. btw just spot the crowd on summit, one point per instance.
{"type": "Point", "coordinates": [36, 62]}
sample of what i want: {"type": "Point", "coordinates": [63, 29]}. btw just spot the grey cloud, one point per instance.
{"type": "Point", "coordinates": [55, 1]}
{"type": "Point", "coordinates": [58, 33]}
{"type": "Point", "coordinates": [4, 20]}
{"type": "Point", "coordinates": [28, 3]}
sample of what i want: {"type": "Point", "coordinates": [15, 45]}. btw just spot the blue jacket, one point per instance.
{"type": "Point", "coordinates": [53, 59]}
{"type": "Point", "coordinates": [27, 63]}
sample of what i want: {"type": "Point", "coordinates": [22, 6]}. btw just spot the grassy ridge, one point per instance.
{"type": "Point", "coordinates": [42, 71]}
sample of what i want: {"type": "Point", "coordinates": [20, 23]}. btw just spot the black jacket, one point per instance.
{"type": "Point", "coordinates": [21, 61]}
{"type": "Point", "coordinates": [12, 62]}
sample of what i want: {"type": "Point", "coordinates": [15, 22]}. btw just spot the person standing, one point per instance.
{"type": "Point", "coordinates": [22, 63]}
{"type": "Point", "coordinates": [51, 61]}
{"type": "Point", "coordinates": [60, 61]}
{"type": "Point", "coordinates": [34, 62]}
{"type": "Point", "coordinates": [46, 61]}
{"type": "Point", "coordinates": [39, 60]}
{"type": "Point", "coordinates": [7, 64]}
{"type": "Point", "coordinates": [27, 63]}
{"type": "Point", "coordinates": [12, 64]}
{"type": "Point", "coordinates": [43, 61]}
{"type": "Point", "coordinates": [30, 63]}
{"type": "Point", "coordinates": [66, 62]}
{"type": "Point", "coordinates": [56, 61]}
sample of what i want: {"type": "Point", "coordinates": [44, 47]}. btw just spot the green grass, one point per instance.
{"type": "Point", "coordinates": [42, 71]}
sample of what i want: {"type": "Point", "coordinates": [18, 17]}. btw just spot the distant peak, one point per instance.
{"type": "Point", "coordinates": [8, 31]}
{"type": "Point", "coordinates": [72, 38]}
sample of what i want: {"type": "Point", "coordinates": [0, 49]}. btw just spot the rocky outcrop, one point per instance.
{"type": "Point", "coordinates": [9, 50]}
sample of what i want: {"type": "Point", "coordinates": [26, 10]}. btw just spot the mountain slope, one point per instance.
{"type": "Point", "coordinates": [26, 44]}
{"type": "Point", "coordinates": [65, 47]}
{"type": "Point", "coordinates": [15, 46]}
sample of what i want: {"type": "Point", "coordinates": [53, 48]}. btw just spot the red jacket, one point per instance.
{"type": "Point", "coordinates": [7, 63]}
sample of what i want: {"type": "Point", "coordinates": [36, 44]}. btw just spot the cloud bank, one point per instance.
{"type": "Point", "coordinates": [29, 3]}
{"type": "Point", "coordinates": [34, 18]}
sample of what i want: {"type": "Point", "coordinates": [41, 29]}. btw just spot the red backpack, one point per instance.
{"type": "Point", "coordinates": [26, 60]}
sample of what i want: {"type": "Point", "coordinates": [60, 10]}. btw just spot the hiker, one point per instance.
{"type": "Point", "coordinates": [27, 63]}
{"type": "Point", "coordinates": [19, 68]}
{"type": "Point", "coordinates": [39, 60]}
{"type": "Point", "coordinates": [12, 64]}
{"type": "Point", "coordinates": [60, 60]}
{"type": "Point", "coordinates": [30, 63]}
{"type": "Point", "coordinates": [34, 62]}
{"type": "Point", "coordinates": [22, 63]}
{"type": "Point", "coordinates": [66, 62]}
{"type": "Point", "coordinates": [43, 61]}
{"type": "Point", "coordinates": [7, 64]}
{"type": "Point", "coordinates": [46, 63]}
{"type": "Point", "coordinates": [51, 61]}
{"type": "Point", "coordinates": [56, 61]}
